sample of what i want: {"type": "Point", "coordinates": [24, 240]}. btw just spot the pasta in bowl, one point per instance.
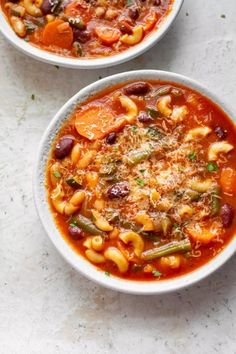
{"type": "Point", "coordinates": [135, 182]}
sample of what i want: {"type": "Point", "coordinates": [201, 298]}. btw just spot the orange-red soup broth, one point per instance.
{"type": "Point", "coordinates": [141, 180]}
{"type": "Point", "coordinates": [85, 29]}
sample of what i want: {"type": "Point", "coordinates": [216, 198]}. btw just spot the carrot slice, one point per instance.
{"type": "Point", "coordinates": [202, 232]}
{"type": "Point", "coordinates": [58, 33]}
{"type": "Point", "coordinates": [107, 35]}
{"type": "Point", "coordinates": [228, 180]}
{"type": "Point", "coordinates": [95, 122]}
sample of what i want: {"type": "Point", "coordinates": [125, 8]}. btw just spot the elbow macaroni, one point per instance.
{"type": "Point", "coordinates": [86, 159]}
{"type": "Point", "coordinates": [201, 186]}
{"type": "Point", "coordinates": [74, 203]}
{"type": "Point", "coordinates": [64, 207]}
{"type": "Point", "coordinates": [163, 106]}
{"type": "Point", "coordinates": [114, 255]}
{"type": "Point", "coordinates": [135, 239]}
{"type": "Point", "coordinates": [97, 243]}
{"type": "Point", "coordinates": [131, 108]}
{"type": "Point", "coordinates": [217, 148]}
{"type": "Point", "coordinates": [197, 133]}
{"type": "Point", "coordinates": [75, 153]}
{"type": "Point", "coordinates": [54, 169]}
{"type": "Point", "coordinates": [94, 256]}
{"type": "Point", "coordinates": [101, 222]}
{"type": "Point", "coordinates": [133, 38]}
{"type": "Point", "coordinates": [145, 220]}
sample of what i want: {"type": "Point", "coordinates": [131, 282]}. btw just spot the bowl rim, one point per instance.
{"type": "Point", "coordinates": [75, 63]}
{"type": "Point", "coordinates": [74, 259]}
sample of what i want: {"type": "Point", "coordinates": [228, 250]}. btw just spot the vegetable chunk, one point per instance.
{"type": "Point", "coordinates": [58, 33]}
{"type": "Point", "coordinates": [96, 121]}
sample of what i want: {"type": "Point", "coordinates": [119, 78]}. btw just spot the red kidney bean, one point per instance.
{"type": "Point", "coordinates": [220, 132]}
{"type": "Point", "coordinates": [81, 36]}
{"type": "Point", "coordinates": [118, 190]}
{"type": "Point", "coordinates": [144, 118]}
{"type": "Point", "coordinates": [75, 232]}
{"type": "Point", "coordinates": [133, 12]}
{"type": "Point", "coordinates": [227, 214]}
{"type": "Point", "coordinates": [111, 138]}
{"type": "Point", "coordinates": [64, 146]}
{"type": "Point", "coordinates": [137, 88]}
{"type": "Point", "coordinates": [48, 6]}
{"type": "Point", "coordinates": [125, 27]}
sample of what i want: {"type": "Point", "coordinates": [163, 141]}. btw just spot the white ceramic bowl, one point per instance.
{"type": "Point", "coordinates": [77, 261]}
{"type": "Point", "coordinates": [75, 63]}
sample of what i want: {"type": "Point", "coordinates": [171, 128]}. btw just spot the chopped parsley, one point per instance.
{"type": "Point", "coordinates": [140, 182]}
{"type": "Point", "coordinates": [107, 274]}
{"type": "Point", "coordinates": [57, 174]}
{"type": "Point", "coordinates": [134, 128]}
{"type": "Point", "coordinates": [175, 225]}
{"type": "Point", "coordinates": [156, 273]}
{"type": "Point", "coordinates": [154, 132]}
{"type": "Point", "coordinates": [192, 156]}
{"type": "Point", "coordinates": [129, 2]}
{"type": "Point", "coordinates": [212, 167]}
{"type": "Point", "coordinates": [73, 223]}
{"type": "Point", "coordinates": [152, 112]}
{"type": "Point", "coordinates": [142, 171]}
{"type": "Point", "coordinates": [223, 16]}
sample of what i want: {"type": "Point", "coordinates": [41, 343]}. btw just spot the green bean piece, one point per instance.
{"type": "Point", "coordinates": [129, 225]}
{"type": "Point", "coordinates": [135, 157]}
{"type": "Point", "coordinates": [166, 225]}
{"type": "Point", "coordinates": [87, 226]}
{"type": "Point", "coordinates": [193, 195]}
{"type": "Point", "coordinates": [152, 112]}
{"type": "Point", "coordinates": [77, 49]}
{"type": "Point", "coordinates": [215, 201]}
{"type": "Point", "coordinates": [30, 27]}
{"type": "Point", "coordinates": [74, 182]}
{"type": "Point", "coordinates": [167, 249]}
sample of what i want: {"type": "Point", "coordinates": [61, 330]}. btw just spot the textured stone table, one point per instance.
{"type": "Point", "coordinates": [45, 306]}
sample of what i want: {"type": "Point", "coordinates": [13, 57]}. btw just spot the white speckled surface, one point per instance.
{"type": "Point", "coordinates": [45, 306]}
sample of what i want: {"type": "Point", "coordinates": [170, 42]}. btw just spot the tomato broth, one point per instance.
{"type": "Point", "coordinates": [85, 29]}
{"type": "Point", "coordinates": [141, 180]}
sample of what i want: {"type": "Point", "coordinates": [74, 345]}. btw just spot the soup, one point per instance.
{"type": "Point", "coordinates": [141, 180]}
{"type": "Point", "coordinates": [85, 29]}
